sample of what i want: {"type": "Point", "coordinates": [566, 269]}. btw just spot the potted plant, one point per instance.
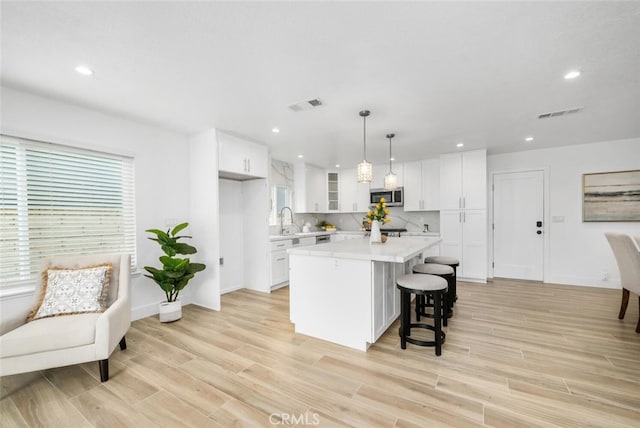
{"type": "Point", "coordinates": [176, 272]}
{"type": "Point", "coordinates": [376, 215]}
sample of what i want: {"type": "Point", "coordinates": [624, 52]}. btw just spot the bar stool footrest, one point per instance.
{"type": "Point", "coordinates": [429, 315]}
{"type": "Point", "coordinates": [419, 342]}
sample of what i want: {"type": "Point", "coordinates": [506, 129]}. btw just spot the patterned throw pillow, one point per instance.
{"type": "Point", "coordinates": [72, 291]}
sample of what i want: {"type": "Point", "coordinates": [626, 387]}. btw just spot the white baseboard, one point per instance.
{"type": "Point", "coordinates": [476, 280]}
{"type": "Point", "coordinates": [229, 290]}
{"type": "Point", "coordinates": [151, 309]}
{"type": "Point", "coordinates": [583, 281]}
{"type": "Point", "coordinates": [144, 311]}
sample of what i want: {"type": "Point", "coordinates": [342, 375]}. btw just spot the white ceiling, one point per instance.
{"type": "Point", "coordinates": [435, 73]}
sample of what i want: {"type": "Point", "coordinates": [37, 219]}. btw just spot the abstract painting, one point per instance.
{"type": "Point", "coordinates": [611, 196]}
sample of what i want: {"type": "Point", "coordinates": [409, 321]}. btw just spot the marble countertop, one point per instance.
{"type": "Point", "coordinates": [420, 234]}
{"type": "Point", "coordinates": [300, 235]}
{"type": "Point", "coordinates": [395, 250]}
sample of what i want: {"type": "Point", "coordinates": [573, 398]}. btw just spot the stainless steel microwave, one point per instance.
{"type": "Point", "coordinates": [393, 198]}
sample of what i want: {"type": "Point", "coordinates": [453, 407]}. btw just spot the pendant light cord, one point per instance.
{"type": "Point", "coordinates": [364, 136]}
{"type": "Point", "coordinates": [390, 170]}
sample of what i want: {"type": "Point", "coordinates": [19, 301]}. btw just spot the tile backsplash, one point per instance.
{"type": "Point", "coordinates": [412, 221]}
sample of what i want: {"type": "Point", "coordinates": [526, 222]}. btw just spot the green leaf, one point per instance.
{"type": "Point", "coordinates": [178, 228]}
{"type": "Point", "coordinates": [169, 250]}
{"type": "Point", "coordinates": [196, 267]}
{"type": "Point", "coordinates": [182, 248]}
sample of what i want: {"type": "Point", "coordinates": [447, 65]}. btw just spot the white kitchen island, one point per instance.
{"type": "Point", "coordinates": [345, 292]}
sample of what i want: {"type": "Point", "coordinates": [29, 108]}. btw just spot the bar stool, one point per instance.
{"type": "Point", "coordinates": [442, 271]}
{"type": "Point", "coordinates": [421, 285]}
{"type": "Point", "coordinates": [449, 261]}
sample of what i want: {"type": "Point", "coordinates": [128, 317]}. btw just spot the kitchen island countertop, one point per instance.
{"type": "Point", "coordinates": [395, 250]}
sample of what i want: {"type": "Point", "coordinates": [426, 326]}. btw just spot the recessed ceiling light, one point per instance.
{"type": "Point", "coordinates": [460, 145]}
{"type": "Point", "coordinates": [275, 130]}
{"type": "Point", "coordinates": [84, 70]}
{"type": "Point", "coordinates": [337, 165]}
{"type": "Point", "coordinates": [528, 139]}
{"type": "Point", "coordinates": [572, 74]}
{"type": "Point", "coordinates": [392, 159]}
{"type": "Point", "coordinates": [300, 156]}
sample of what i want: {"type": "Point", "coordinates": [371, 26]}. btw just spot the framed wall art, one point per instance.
{"type": "Point", "coordinates": [611, 196]}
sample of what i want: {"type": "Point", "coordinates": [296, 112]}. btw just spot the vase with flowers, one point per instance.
{"type": "Point", "coordinates": [376, 216]}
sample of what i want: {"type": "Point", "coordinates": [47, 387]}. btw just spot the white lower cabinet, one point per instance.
{"type": "Point", "coordinates": [280, 258]}
{"type": "Point", "coordinates": [386, 297]}
{"type": "Point", "coordinates": [464, 236]}
{"type": "Point", "coordinates": [280, 262]}
{"type": "Point", "coordinates": [279, 267]}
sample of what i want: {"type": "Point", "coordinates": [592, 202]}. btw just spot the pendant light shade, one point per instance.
{"type": "Point", "coordinates": [365, 169]}
{"type": "Point", "coordinates": [390, 180]}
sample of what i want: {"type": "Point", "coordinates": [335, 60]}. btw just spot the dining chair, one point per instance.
{"type": "Point", "coordinates": [627, 257]}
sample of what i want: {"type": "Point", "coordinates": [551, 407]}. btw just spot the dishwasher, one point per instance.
{"type": "Point", "coordinates": [321, 239]}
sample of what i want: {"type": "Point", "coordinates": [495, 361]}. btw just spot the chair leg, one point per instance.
{"type": "Point", "coordinates": [123, 344]}
{"type": "Point", "coordinates": [623, 303]}
{"type": "Point", "coordinates": [104, 370]}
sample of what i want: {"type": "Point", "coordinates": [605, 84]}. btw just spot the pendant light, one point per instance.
{"type": "Point", "coordinates": [390, 180]}
{"type": "Point", "coordinates": [365, 169]}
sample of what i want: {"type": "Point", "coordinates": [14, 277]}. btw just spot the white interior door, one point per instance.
{"type": "Point", "coordinates": [518, 234]}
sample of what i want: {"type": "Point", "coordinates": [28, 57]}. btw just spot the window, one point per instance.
{"type": "Point", "coordinates": [57, 200]}
{"type": "Point", "coordinates": [280, 197]}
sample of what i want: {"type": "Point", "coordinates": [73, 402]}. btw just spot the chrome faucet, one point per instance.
{"type": "Point", "coordinates": [282, 218]}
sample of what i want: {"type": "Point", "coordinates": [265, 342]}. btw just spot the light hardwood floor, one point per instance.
{"type": "Point", "coordinates": [517, 354]}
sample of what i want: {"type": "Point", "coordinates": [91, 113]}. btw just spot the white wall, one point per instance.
{"type": "Point", "coordinates": [205, 214]}
{"type": "Point", "coordinates": [161, 197]}
{"type": "Point", "coordinates": [231, 235]}
{"type": "Point", "coordinates": [578, 252]}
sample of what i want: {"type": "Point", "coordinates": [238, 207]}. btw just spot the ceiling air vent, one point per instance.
{"type": "Point", "coordinates": [560, 113]}
{"type": "Point", "coordinates": [306, 105]}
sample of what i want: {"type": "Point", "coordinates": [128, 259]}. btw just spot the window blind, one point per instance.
{"type": "Point", "coordinates": [61, 200]}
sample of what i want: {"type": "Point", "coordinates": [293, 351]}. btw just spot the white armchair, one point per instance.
{"type": "Point", "coordinates": [70, 339]}
{"type": "Point", "coordinates": [628, 260]}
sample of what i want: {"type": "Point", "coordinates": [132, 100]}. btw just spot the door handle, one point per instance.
{"type": "Point", "coordinates": [248, 165]}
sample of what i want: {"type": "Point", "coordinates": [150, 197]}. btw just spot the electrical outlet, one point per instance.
{"type": "Point", "coordinates": [605, 275]}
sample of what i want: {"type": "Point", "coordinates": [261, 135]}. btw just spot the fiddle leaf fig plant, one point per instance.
{"type": "Point", "coordinates": [176, 272]}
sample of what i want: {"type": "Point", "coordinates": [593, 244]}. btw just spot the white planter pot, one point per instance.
{"type": "Point", "coordinates": [376, 236]}
{"type": "Point", "coordinates": [170, 311]}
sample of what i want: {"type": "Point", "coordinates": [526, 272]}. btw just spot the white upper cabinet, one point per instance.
{"type": "Point", "coordinates": [333, 191]}
{"type": "Point", "coordinates": [422, 185]}
{"type": "Point", "coordinates": [380, 170]}
{"type": "Point", "coordinates": [354, 196]}
{"type": "Point", "coordinates": [463, 180]}
{"type": "Point", "coordinates": [310, 185]}
{"type": "Point", "coordinates": [240, 158]}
